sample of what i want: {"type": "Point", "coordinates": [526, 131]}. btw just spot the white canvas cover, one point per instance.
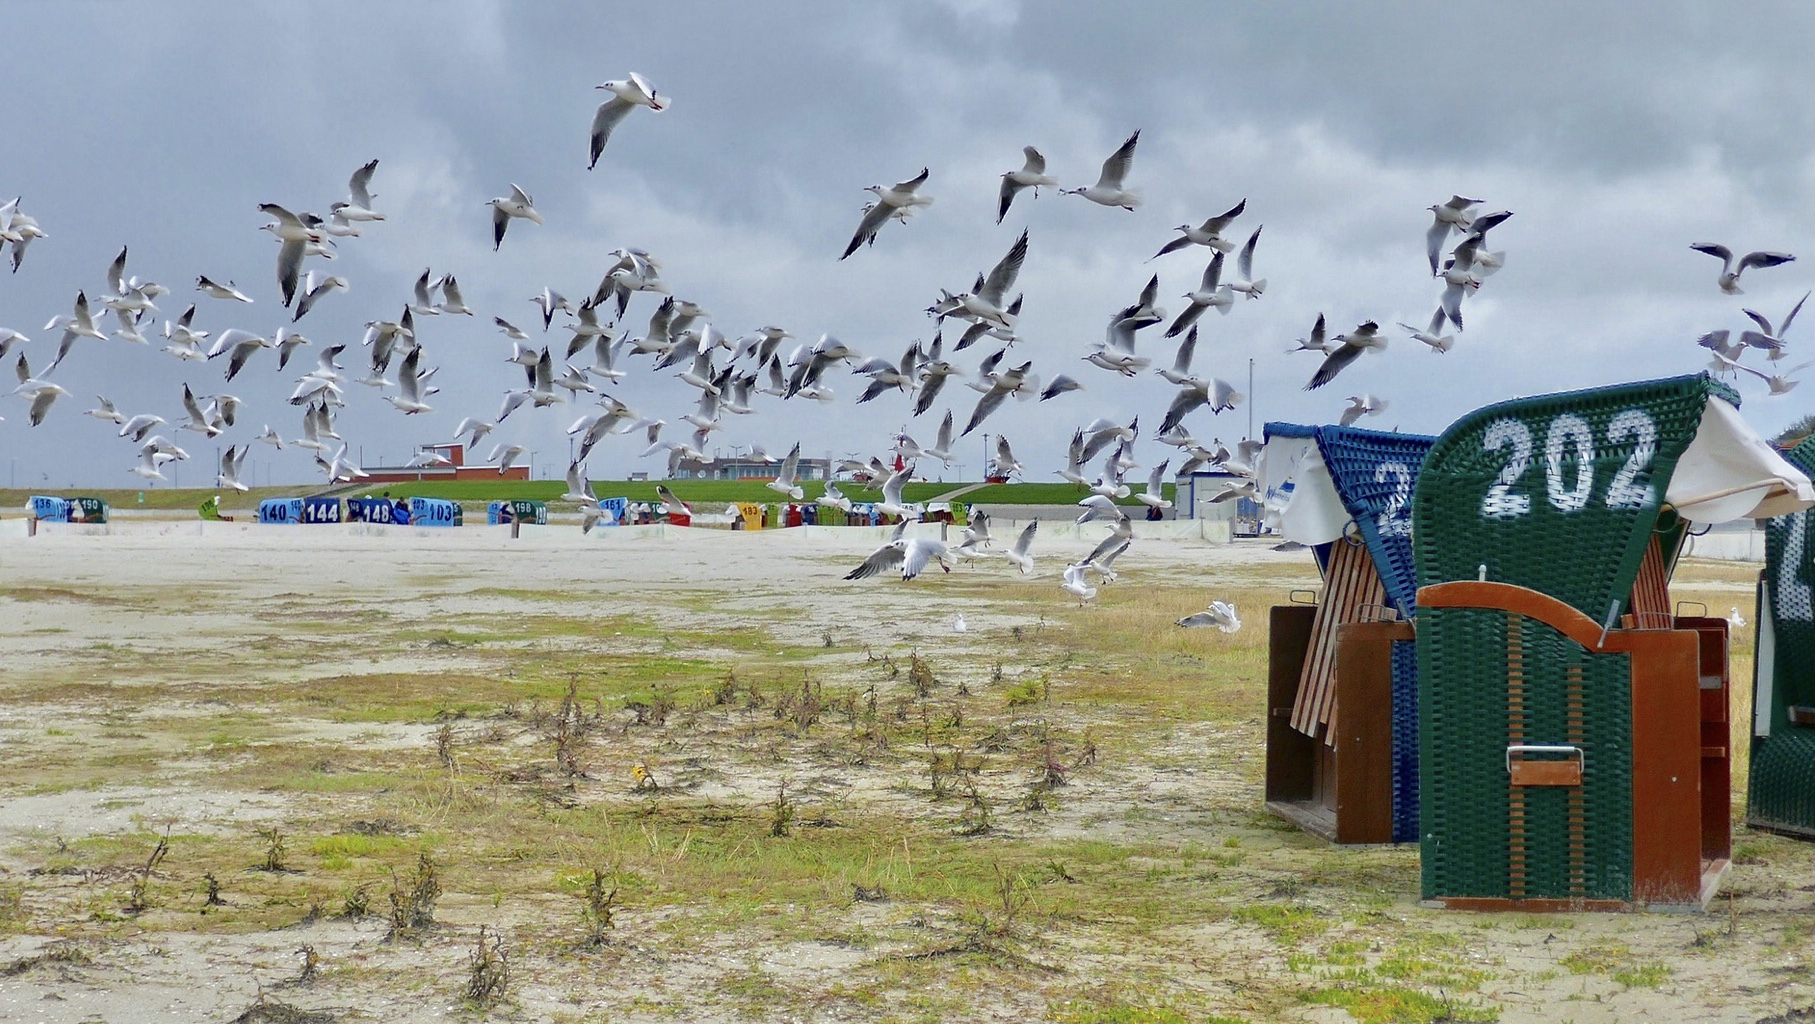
{"type": "Point", "coordinates": [1728, 472]}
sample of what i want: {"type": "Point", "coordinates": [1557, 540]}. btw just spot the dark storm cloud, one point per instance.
{"type": "Point", "coordinates": [1619, 134]}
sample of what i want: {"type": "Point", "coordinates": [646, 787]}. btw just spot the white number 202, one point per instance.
{"type": "Point", "coordinates": [1568, 431]}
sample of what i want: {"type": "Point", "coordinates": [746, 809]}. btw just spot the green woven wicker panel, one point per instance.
{"type": "Point", "coordinates": [1558, 493]}
{"type": "Point", "coordinates": [1782, 787]}
{"type": "Point", "coordinates": [1464, 730]}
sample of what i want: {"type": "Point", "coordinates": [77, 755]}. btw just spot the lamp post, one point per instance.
{"type": "Point", "coordinates": [1250, 398]}
{"type": "Point", "coordinates": [986, 457]}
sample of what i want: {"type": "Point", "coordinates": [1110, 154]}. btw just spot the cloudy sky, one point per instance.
{"type": "Point", "coordinates": [1617, 133]}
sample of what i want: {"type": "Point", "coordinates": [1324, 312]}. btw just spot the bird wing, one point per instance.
{"type": "Point", "coordinates": [1116, 167]}
{"type": "Point", "coordinates": [1026, 539]}
{"type": "Point", "coordinates": [1002, 275]}
{"type": "Point", "coordinates": [886, 557]}
{"type": "Point", "coordinates": [1714, 249]}
{"type": "Point", "coordinates": [1244, 261]}
{"type": "Point", "coordinates": [500, 221]}
{"type": "Point", "coordinates": [1784, 328]}
{"type": "Point", "coordinates": [1333, 364]}
{"type": "Point", "coordinates": [919, 552]}
{"type": "Point", "coordinates": [1188, 399]}
{"type": "Point", "coordinates": [359, 185]}
{"type": "Point", "coordinates": [790, 465]}
{"type": "Point", "coordinates": [990, 402]}
{"type": "Point", "coordinates": [289, 268]}
{"type": "Point", "coordinates": [1005, 196]}
{"type": "Point", "coordinates": [912, 183]}
{"type": "Point", "coordinates": [609, 114]}
{"type": "Point", "coordinates": [873, 219]}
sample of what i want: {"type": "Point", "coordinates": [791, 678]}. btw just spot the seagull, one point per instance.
{"type": "Point", "coordinates": [313, 290]}
{"type": "Point", "coordinates": [1244, 265]}
{"type": "Point", "coordinates": [958, 623]}
{"type": "Point", "coordinates": [911, 554]}
{"type": "Point", "coordinates": [1433, 335]}
{"type": "Point", "coordinates": [942, 446]}
{"type": "Point", "coordinates": [1780, 383]}
{"type": "Point", "coordinates": [1060, 384]}
{"type": "Point", "coordinates": [986, 303]}
{"type": "Point", "coordinates": [1217, 394]}
{"type": "Point", "coordinates": [1220, 614]}
{"type": "Point", "coordinates": [898, 201]}
{"type": "Point", "coordinates": [835, 497]}
{"type": "Point", "coordinates": [238, 345]}
{"type": "Point", "coordinates": [511, 331]}
{"type": "Point", "coordinates": [1005, 465]}
{"type": "Point", "coordinates": [1730, 271]}
{"type": "Point", "coordinates": [626, 96]}
{"type": "Point", "coordinates": [1032, 174]}
{"type": "Point", "coordinates": [892, 503]}
{"type": "Point", "coordinates": [549, 301]}
{"type": "Point", "coordinates": [149, 461]}
{"type": "Point", "coordinates": [517, 204]}
{"type": "Point", "coordinates": [1116, 350]}
{"type": "Point", "coordinates": [1362, 405]}
{"type": "Point", "coordinates": [138, 426]}
{"type": "Point", "coordinates": [1022, 552]}
{"type": "Point", "coordinates": [1074, 583]}
{"type": "Point", "coordinates": [1364, 338]}
{"type": "Point", "coordinates": [1209, 293]}
{"type": "Point", "coordinates": [505, 455]}
{"type": "Point", "coordinates": [106, 411]}
{"type": "Point", "coordinates": [42, 395]}
{"type": "Point", "coordinates": [230, 467]}
{"type": "Point", "coordinates": [1209, 233]}
{"type": "Point", "coordinates": [1451, 215]}
{"type": "Point", "coordinates": [1316, 342]}
{"type": "Point", "coordinates": [478, 427]}
{"type": "Point", "coordinates": [1151, 497]}
{"type": "Point", "coordinates": [409, 385]}
{"type": "Point", "coordinates": [272, 438]}
{"type": "Point", "coordinates": [784, 481]}
{"type": "Point", "coordinates": [1765, 337]}
{"type": "Point", "coordinates": [1108, 190]}
{"type": "Point", "coordinates": [578, 488]}
{"type": "Point", "coordinates": [670, 502]}
{"type": "Point", "coordinates": [296, 236]}
{"type": "Point", "coordinates": [220, 291]}
{"type": "Point", "coordinates": [288, 341]}
{"type": "Point", "coordinates": [358, 204]}
{"type": "Point", "coordinates": [1734, 618]}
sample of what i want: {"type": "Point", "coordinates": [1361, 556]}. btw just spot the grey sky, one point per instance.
{"type": "Point", "coordinates": [1618, 133]}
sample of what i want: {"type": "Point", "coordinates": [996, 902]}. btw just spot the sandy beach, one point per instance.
{"type": "Point", "coordinates": [810, 799]}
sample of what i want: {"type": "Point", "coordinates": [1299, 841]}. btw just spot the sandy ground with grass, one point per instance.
{"type": "Point", "coordinates": [363, 774]}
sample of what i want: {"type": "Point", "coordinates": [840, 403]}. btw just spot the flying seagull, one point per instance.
{"type": "Point", "coordinates": [626, 96]}
{"type": "Point", "coordinates": [517, 204]}
{"type": "Point", "coordinates": [1109, 190]}
{"type": "Point", "coordinates": [1031, 175]}
{"type": "Point", "coordinates": [1730, 270]}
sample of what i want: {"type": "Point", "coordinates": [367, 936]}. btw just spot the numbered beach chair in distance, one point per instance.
{"type": "Point", "coordinates": [1781, 794]}
{"type": "Point", "coordinates": [1342, 717]}
{"type": "Point", "coordinates": [1573, 733]}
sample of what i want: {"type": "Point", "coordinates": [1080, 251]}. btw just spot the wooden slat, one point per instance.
{"type": "Point", "coordinates": [1350, 583]}
{"type": "Point", "coordinates": [1651, 590]}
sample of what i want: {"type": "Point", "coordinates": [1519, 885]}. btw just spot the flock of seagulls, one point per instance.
{"type": "Point", "coordinates": [1727, 350]}
{"type": "Point", "coordinates": [731, 377]}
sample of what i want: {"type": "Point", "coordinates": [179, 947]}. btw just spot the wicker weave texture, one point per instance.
{"type": "Point", "coordinates": [1375, 473]}
{"type": "Point", "coordinates": [1405, 742]}
{"type": "Point", "coordinates": [1558, 493]}
{"type": "Point", "coordinates": [1481, 837]}
{"type": "Point", "coordinates": [1781, 791]}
